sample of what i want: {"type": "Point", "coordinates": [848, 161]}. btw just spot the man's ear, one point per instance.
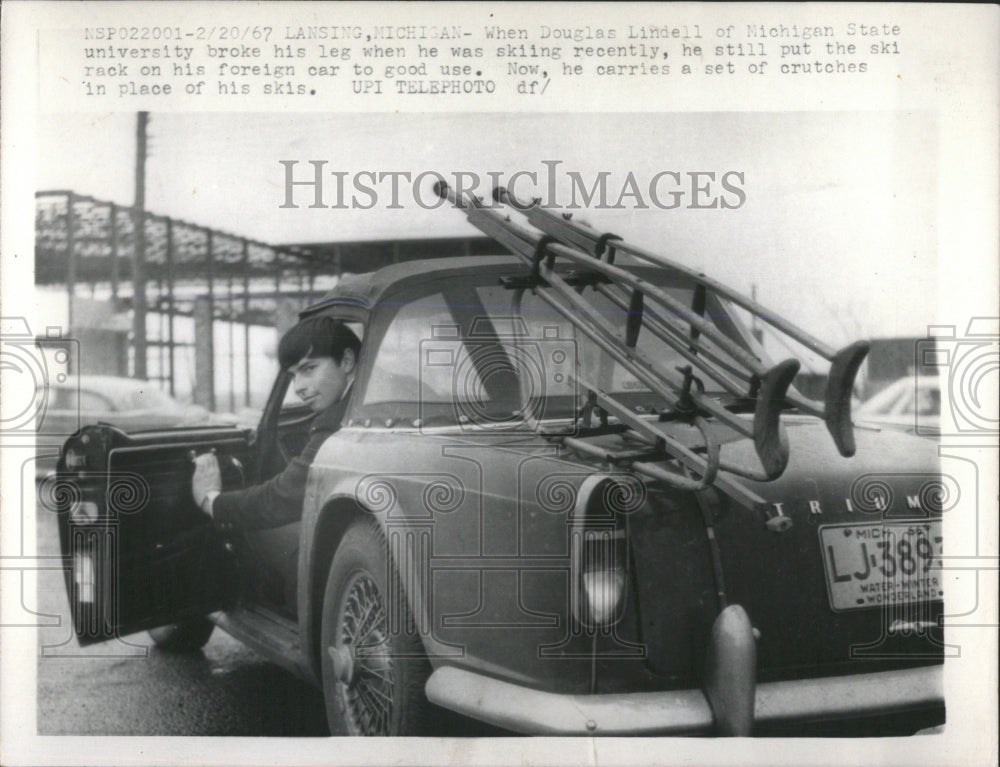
{"type": "Point", "coordinates": [348, 360]}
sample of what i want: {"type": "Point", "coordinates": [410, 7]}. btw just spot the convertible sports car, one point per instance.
{"type": "Point", "coordinates": [517, 522]}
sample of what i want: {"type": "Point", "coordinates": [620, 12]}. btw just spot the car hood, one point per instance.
{"type": "Point", "coordinates": [898, 462]}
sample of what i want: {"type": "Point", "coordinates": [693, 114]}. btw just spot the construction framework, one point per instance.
{"type": "Point", "coordinates": [191, 270]}
{"type": "Point", "coordinates": [188, 270]}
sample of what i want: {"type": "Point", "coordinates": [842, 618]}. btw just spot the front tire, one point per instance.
{"type": "Point", "coordinates": [373, 677]}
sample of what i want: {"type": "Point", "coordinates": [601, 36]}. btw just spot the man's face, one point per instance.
{"type": "Point", "coordinates": [320, 381]}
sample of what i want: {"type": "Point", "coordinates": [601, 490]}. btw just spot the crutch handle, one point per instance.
{"type": "Point", "coordinates": [839, 389]}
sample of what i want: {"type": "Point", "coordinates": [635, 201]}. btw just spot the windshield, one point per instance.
{"type": "Point", "coordinates": [474, 353]}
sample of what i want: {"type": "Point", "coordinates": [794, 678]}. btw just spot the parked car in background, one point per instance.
{"type": "Point", "coordinates": [912, 404]}
{"type": "Point", "coordinates": [127, 403]}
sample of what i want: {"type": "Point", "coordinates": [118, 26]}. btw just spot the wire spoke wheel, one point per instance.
{"type": "Point", "coordinates": [373, 678]}
{"type": "Point", "coordinates": [364, 632]}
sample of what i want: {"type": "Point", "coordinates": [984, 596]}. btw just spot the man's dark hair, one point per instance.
{"type": "Point", "coordinates": [318, 336]}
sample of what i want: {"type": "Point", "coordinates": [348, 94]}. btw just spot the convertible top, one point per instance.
{"type": "Point", "coordinates": [366, 290]}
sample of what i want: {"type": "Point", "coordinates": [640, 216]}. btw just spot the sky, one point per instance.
{"type": "Point", "coordinates": [837, 230]}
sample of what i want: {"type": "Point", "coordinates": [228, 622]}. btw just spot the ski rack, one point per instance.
{"type": "Point", "coordinates": [844, 363]}
{"type": "Point", "coordinates": [685, 329]}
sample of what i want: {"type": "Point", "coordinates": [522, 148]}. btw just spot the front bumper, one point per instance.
{"type": "Point", "coordinates": [683, 712]}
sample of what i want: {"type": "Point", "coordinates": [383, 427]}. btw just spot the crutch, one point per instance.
{"type": "Point", "coordinates": [844, 363]}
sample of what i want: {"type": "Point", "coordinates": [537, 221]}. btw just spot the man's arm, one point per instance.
{"type": "Point", "coordinates": [273, 503]}
{"type": "Point", "coordinates": [270, 504]}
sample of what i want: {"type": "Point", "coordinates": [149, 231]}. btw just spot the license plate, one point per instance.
{"type": "Point", "coordinates": [877, 565]}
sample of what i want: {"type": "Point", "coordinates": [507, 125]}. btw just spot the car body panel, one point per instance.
{"type": "Point", "coordinates": [493, 514]}
{"type": "Point", "coordinates": [476, 522]}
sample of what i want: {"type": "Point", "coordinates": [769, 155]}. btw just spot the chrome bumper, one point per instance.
{"type": "Point", "coordinates": [730, 703]}
{"type": "Point", "coordinates": [682, 712]}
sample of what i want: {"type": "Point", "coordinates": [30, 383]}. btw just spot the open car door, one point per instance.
{"type": "Point", "coordinates": [141, 553]}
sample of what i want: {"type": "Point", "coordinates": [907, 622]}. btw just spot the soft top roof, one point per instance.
{"type": "Point", "coordinates": [363, 292]}
{"type": "Point", "coordinates": [366, 290]}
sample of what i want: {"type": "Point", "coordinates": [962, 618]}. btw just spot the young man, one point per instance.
{"type": "Point", "coordinates": [321, 354]}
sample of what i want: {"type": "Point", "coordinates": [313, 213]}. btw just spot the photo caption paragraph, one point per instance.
{"type": "Point", "coordinates": [115, 64]}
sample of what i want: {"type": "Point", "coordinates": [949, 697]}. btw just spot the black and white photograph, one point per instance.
{"type": "Point", "coordinates": [548, 383]}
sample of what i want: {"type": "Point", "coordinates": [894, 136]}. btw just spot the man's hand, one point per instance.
{"type": "Point", "coordinates": [206, 482]}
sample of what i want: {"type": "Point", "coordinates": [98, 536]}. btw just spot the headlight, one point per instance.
{"type": "Point", "coordinates": [603, 574]}
{"type": "Point", "coordinates": [599, 566]}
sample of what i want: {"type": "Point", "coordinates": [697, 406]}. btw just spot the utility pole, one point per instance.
{"type": "Point", "coordinates": [139, 251]}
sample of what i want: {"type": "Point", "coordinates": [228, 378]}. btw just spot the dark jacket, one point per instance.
{"type": "Point", "coordinates": [278, 501]}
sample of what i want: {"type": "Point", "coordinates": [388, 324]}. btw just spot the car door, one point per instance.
{"type": "Point", "coordinates": [141, 552]}
{"type": "Point", "coordinates": [268, 559]}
